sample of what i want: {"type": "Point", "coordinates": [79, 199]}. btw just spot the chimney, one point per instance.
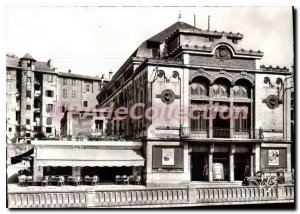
{"type": "Point", "coordinates": [102, 77]}
{"type": "Point", "coordinates": [49, 63]}
{"type": "Point", "coordinates": [69, 71]}
{"type": "Point", "coordinates": [110, 75]}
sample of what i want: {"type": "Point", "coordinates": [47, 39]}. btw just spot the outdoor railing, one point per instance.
{"type": "Point", "coordinates": [187, 132]}
{"type": "Point", "coordinates": [159, 197]}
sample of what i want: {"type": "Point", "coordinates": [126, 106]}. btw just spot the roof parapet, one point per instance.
{"type": "Point", "coordinates": [271, 68]}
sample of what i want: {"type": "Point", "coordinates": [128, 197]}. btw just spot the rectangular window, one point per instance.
{"type": "Point", "coordinates": [48, 130]}
{"type": "Point", "coordinates": [65, 93]}
{"type": "Point", "coordinates": [50, 78]}
{"type": "Point", "coordinates": [211, 39]}
{"type": "Point", "coordinates": [73, 94]}
{"type": "Point", "coordinates": [28, 107]}
{"type": "Point", "coordinates": [87, 88]}
{"type": "Point", "coordinates": [198, 123]}
{"type": "Point", "coordinates": [49, 121]}
{"type": "Point", "coordinates": [49, 108]}
{"type": "Point", "coordinates": [241, 123]}
{"type": "Point", "coordinates": [28, 79]}
{"type": "Point", "coordinates": [63, 109]}
{"type": "Point", "coordinates": [49, 93]}
{"type": "Point", "coordinates": [28, 121]}
{"type": "Point", "coordinates": [73, 82]}
{"type": "Point", "coordinates": [28, 94]}
{"type": "Point", "coordinates": [9, 129]}
{"type": "Point", "coordinates": [85, 103]}
{"type": "Point", "coordinates": [234, 41]}
{"type": "Point", "coordinates": [64, 81]}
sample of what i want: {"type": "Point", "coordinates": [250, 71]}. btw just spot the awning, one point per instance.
{"type": "Point", "coordinates": [19, 158]}
{"type": "Point", "coordinates": [88, 157]}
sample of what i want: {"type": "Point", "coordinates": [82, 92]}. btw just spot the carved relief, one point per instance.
{"type": "Point", "coordinates": [222, 53]}
{"type": "Point", "coordinates": [245, 76]}
{"type": "Point", "coordinates": [201, 73]}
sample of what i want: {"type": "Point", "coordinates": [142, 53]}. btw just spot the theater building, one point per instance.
{"type": "Point", "coordinates": [184, 71]}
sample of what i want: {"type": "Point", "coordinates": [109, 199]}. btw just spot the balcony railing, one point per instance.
{"type": "Point", "coordinates": [187, 132]}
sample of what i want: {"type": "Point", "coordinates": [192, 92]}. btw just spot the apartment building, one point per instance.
{"type": "Point", "coordinates": [37, 97]}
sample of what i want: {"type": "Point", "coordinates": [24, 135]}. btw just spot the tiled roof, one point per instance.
{"type": "Point", "coordinates": [79, 76]}
{"type": "Point", "coordinates": [161, 37]}
{"type": "Point", "coordinates": [12, 61]}
{"type": "Point", "coordinates": [42, 66]}
{"type": "Point", "coordinates": [28, 56]}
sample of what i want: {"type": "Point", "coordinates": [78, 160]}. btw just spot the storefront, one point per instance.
{"type": "Point", "coordinates": [72, 158]}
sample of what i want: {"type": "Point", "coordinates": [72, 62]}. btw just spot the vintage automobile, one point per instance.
{"type": "Point", "coordinates": [262, 178]}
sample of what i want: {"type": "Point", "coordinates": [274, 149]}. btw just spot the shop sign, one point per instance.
{"type": "Point", "coordinates": [168, 156]}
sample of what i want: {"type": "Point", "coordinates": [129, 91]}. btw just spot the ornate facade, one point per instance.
{"type": "Point", "coordinates": [207, 74]}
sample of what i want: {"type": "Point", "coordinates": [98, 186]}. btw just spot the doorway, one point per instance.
{"type": "Point", "coordinates": [199, 166]}
{"type": "Point", "coordinates": [241, 166]}
{"type": "Point", "coordinates": [221, 159]}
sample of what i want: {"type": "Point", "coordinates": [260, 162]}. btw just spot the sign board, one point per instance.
{"type": "Point", "coordinates": [218, 171]}
{"type": "Point", "coordinates": [273, 157]}
{"type": "Point", "coordinates": [167, 156]}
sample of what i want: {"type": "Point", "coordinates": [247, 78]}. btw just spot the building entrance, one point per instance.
{"type": "Point", "coordinates": [241, 166]}
{"type": "Point", "coordinates": [199, 166]}
{"type": "Point", "coordinates": [221, 167]}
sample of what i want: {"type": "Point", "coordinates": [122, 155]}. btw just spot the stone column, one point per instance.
{"type": "Point", "coordinates": [252, 165]}
{"type": "Point", "coordinates": [186, 162]}
{"type": "Point", "coordinates": [37, 170]}
{"type": "Point", "coordinates": [252, 132]}
{"type": "Point", "coordinates": [289, 158]}
{"type": "Point", "coordinates": [231, 114]}
{"type": "Point", "coordinates": [210, 167]}
{"type": "Point", "coordinates": [210, 125]}
{"type": "Point", "coordinates": [231, 163]}
{"type": "Point", "coordinates": [210, 163]}
{"type": "Point", "coordinates": [148, 166]}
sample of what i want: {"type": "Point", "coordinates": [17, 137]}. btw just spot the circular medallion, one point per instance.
{"type": "Point", "coordinates": [272, 101]}
{"type": "Point", "coordinates": [167, 96]}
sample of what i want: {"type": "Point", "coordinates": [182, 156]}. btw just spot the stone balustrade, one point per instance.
{"type": "Point", "coordinates": [153, 197]}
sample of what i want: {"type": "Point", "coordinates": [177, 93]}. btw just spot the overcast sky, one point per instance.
{"type": "Point", "coordinates": [94, 40]}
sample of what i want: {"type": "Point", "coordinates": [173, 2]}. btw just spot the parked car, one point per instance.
{"type": "Point", "coordinates": [264, 178]}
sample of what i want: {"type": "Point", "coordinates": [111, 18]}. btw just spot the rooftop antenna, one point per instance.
{"type": "Point", "coordinates": [208, 23]}
{"type": "Point", "coordinates": [179, 16]}
{"type": "Point", "coordinates": [194, 20]}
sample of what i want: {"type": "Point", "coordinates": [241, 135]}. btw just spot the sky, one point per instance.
{"type": "Point", "coordinates": [95, 40]}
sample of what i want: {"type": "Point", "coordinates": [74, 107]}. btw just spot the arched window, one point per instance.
{"type": "Point", "coordinates": [240, 91]}
{"type": "Point", "coordinates": [220, 90]}
{"type": "Point", "coordinates": [199, 87]}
